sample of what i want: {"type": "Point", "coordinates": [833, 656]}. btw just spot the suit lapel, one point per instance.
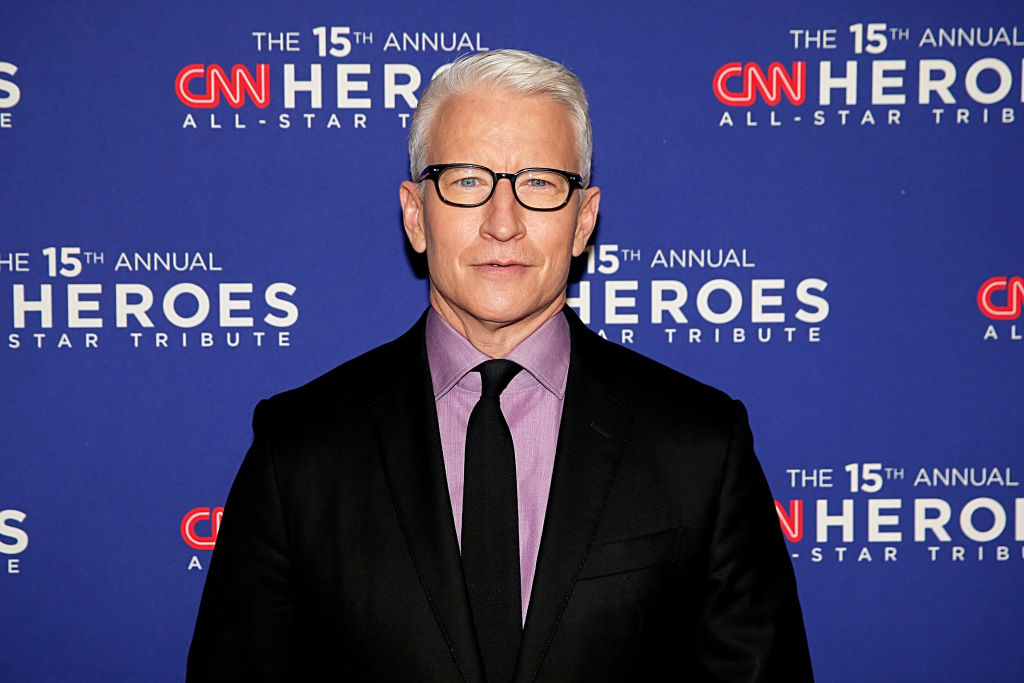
{"type": "Point", "coordinates": [406, 423]}
{"type": "Point", "coordinates": [590, 441]}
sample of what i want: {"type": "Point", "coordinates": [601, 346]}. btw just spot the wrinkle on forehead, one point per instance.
{"type": "Point", "coordinates": [504, 131]}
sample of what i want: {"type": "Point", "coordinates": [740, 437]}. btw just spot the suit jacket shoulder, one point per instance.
{"type": "Point", "coordinates": [667, 403]}
{"type": "Point", "coordinates": [628, 370]}
{"type": "Point", "coordinates": [363, 380]}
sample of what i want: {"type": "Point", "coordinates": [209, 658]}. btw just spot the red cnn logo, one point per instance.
{"type": "Point", "coordinates": [753, 81]}
{"type": "Point", "coordinates": [193, 517]}
{"type": "Point", "coordinates": [217, 83]}
{"type": "Point", "coordinates": [1014, 288]}
{"type": "Point", "coordinates": [792, 523]}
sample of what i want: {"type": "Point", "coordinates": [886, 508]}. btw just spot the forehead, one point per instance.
{"type": "Point", "coordinates": [503, 130]}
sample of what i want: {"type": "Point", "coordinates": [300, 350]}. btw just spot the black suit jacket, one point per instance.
{"type": "Point", "coordinates": [661, 554]}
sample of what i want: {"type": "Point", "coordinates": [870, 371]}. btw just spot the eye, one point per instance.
{"type": "Point", "coordinates": [539, 182]}
{"type": "Point", "coordinates": [463, 179]}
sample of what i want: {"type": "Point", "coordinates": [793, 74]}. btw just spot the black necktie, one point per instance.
{"type": "Point", "coordinates": [490, 526]}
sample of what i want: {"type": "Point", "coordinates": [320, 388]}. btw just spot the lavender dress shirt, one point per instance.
{"type": "Point", "coordinates": [532, 405]}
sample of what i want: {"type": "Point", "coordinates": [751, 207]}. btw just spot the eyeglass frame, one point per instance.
{"type": "Point", "coordinates": [433, 171]}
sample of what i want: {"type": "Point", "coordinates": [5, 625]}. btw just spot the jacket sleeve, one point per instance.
{"type": "Point", "coordinates": [244, 629]}
{"type": "Point", "coordinates": [753, 626]}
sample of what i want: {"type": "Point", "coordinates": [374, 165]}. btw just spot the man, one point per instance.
{"type": "Point", "coordinates": [375, 525]}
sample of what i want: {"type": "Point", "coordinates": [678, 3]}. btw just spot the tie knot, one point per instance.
{"type": "Point", "coordinates": [495, 376]}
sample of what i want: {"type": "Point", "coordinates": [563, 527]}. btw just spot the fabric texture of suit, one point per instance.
{"type": "Point", "coordinates": [661, 554]}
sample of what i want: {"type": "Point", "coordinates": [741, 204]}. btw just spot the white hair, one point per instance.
{"type": "Point", "coordinates": [512, 70]}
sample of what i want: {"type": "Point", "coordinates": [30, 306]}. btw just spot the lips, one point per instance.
{"type": "Point", "coordinates": [500, 263]}
{"type": "Point", "coordinates": [500, 268]}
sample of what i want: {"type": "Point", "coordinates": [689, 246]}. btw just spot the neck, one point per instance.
{"type": "Point", "coordinates": [495, 339]}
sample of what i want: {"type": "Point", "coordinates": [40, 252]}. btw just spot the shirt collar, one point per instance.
{"type": "Point", "coordinates": [544, 354]}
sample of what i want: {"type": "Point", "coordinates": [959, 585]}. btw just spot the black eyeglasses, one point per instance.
{"type": "Point", "coordinates": [469, 185]}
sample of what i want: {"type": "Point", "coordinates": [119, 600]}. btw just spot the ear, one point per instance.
{"type": "Point", "coordinates": [586, 219]}
{"type": "Point", "coordinates": [412, 215]}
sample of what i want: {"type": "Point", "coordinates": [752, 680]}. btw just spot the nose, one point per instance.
{"type": "Point", "coordinates": [503, 218]}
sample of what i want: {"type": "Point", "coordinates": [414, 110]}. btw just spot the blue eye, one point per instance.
{"type": "Point", "coordinates": [468, 182]}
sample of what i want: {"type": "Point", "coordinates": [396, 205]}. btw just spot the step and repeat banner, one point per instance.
{"type": "Point", "coordinates": [815, 207]}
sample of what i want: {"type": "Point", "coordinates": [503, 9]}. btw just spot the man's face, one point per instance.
{"type": "Point", "coordinates": [499, 264]}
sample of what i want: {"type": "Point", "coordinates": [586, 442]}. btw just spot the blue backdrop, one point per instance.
{"type": "Point", "coordinates": [813, 207]}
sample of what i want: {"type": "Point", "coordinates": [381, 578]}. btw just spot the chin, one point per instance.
{"type": "Point", "coordinates": [500, 314]}
{"type": "Point", "coordinates": [511, 312]}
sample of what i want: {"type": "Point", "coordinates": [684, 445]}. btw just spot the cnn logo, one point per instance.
{"type": "Point", "coordinates": [752, 81]}
{"type": "Point", "coordinates": [210, 519]}
{"type": "Point", "coordinates": [994, 291]}
{"type": "Point", "coordinates": [216, 83]}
